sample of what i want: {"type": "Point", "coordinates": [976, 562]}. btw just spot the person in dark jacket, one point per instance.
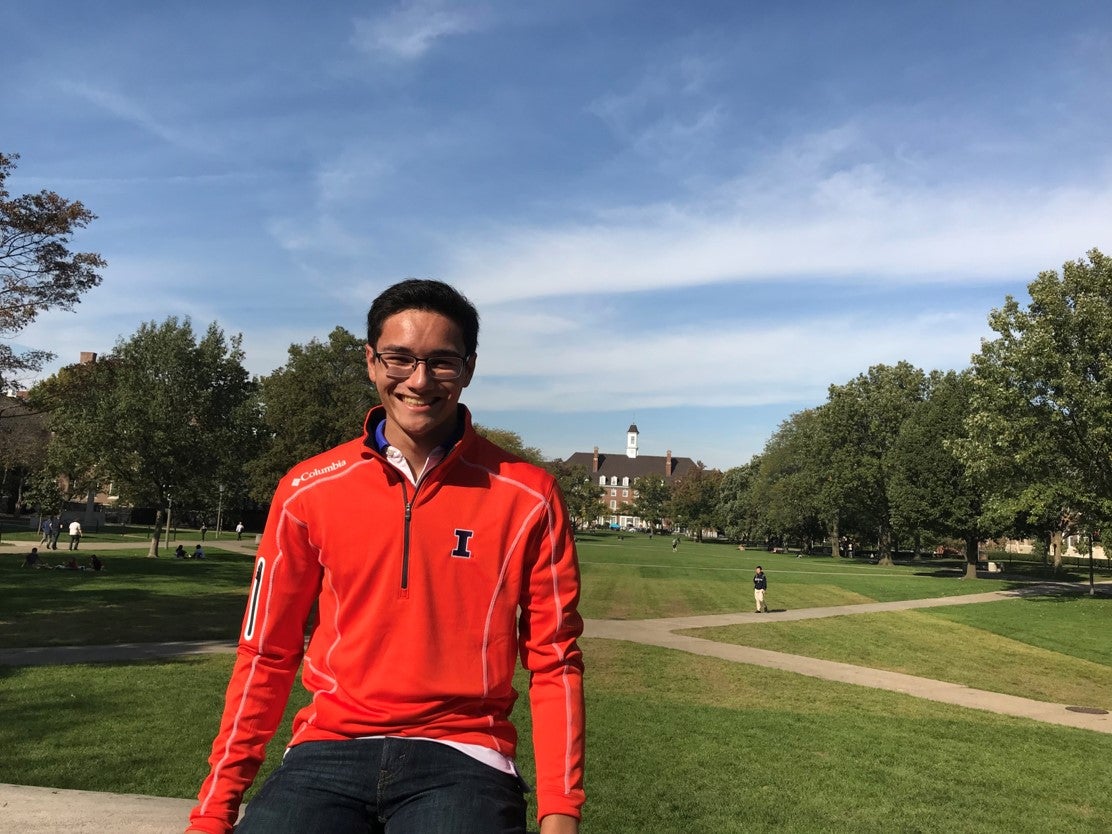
{"type": "Point", "coordinates": [760, 585]}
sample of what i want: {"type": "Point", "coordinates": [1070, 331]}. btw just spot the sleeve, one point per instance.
{"type": "Point", "coordinates": [285, 582]}
{"type": "Point", "coordinates": [550, 626]}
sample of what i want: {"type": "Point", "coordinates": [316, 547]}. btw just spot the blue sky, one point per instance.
{"type": "Point", "coordinates": [695, 217]}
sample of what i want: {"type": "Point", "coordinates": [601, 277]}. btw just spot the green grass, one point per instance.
{"type": "Point", "coordinates": [676, 743]}
{"type": "Point", "coordinates": [1069, 664]}
{"type": "Point", "coordinates": [135, 599]}
{"type": "Point", "coordinates": [637, 578]}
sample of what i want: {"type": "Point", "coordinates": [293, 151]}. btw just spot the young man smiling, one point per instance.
{"type": "Point", "coordinates": [434, 559]}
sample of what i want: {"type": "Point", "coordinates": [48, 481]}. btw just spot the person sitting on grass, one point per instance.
{"type": "Point", "coordinates": [32, 560]}
{"type": "Point", "coordinates": [96, 563]}
{"type": "Point", "coordinates": [198, 553]}
{"type": "Point", "coordinates": [180, 552]}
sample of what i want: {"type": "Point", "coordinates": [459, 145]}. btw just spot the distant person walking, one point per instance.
{"type": "Point", "coordinates": [75, 534]}
{"type": "Point", "coordinates": [55, 532]}
{"type": "Point", "coordinates": [239, 530]}
{"type": "Point", "coordinates": [44, 528]}
{"type": "Point", "coordinates": [204, 530]}
{"type": "Point", "coordinates": [760, 585]}
{"type": "Point", "coordinates": [675, 544]}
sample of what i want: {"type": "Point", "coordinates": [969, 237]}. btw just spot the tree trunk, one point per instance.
{"type": "Point", "coordinates": [835, 540]}
{"type": "Point", "coordinates": [970, 557]}
{"type": "Point", "coordinates": [884, 546]}
{"type": "Point", "coordinates": [157, 536]}
{"type": "Point", "coordinates": [1056, 550]}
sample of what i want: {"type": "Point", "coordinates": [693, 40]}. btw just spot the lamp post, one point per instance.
{"type": "Point", "coordinates": [169, 512]}
{"type": "Point", "coordinates": [1092, 583]}
{"type": "Point", "coordinates": [219, 508]}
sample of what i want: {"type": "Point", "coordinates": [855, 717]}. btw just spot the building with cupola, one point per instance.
{"type": "Point", "coordinates": [617, 475]}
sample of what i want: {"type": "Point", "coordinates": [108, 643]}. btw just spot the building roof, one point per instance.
{"type": "Point", "coordinates": [621, 465]}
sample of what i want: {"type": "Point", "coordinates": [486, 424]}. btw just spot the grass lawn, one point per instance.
{"type": "Point", "coordinates": [676, 743]}
{"type": "Point", "coordinates": [636, 577]}
{"type": "Point", "coordinates": [1046, 648]}
{"type": "Point", "coordinates": [136, 599]}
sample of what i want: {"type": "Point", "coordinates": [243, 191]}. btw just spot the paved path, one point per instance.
{"type": "Point", "coordinates": [29, 810]}
{"type": "Point", "coordinates": [662, 632]}
{"type": "Point", "coordinates": [32, 810]}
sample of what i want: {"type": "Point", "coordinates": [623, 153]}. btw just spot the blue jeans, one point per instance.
{"type": "Point", "coordinates": [385, 786]}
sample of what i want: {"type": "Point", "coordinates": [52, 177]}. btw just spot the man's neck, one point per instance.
{"type": "Point", "coordinates": [417, 451]}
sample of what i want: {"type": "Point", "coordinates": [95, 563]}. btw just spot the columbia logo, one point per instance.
{"type": "Point", "coordinates": [324, 470]}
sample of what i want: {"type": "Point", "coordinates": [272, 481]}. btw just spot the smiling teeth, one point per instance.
{"type": "Point", "coordinates": [414, 400]}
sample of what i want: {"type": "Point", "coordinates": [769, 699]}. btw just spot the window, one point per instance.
{"type": "Point", "coordinates": [613, 505]}
{"type": "Point", "coordinates": [613, 492]}
{"type": "Point", "coordinates": [602, 480]}
{"type": "Point", "coordinates": [625, 480]}
{"type": "Point", "coordinates": [613, 480]}
{"type": "Point", "coordinates": [625, 493]}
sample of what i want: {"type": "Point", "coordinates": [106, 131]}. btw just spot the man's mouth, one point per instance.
{"type": "Point", "coordinates": [416, 401]}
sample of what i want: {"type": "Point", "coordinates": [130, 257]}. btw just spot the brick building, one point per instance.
{"type": "Point", "coordinates": [617, 474]}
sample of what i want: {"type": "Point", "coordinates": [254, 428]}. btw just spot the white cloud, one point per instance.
{"type": "Point", "coordinates": [851, 224]}
{"type": "Point", "coordinates": [129, 110]}
{"type": "Point", "coordinates": [598, 369]}
{"type": "Point", "coordinates": [407, 32]}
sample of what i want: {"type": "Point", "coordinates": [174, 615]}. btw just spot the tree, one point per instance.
{"type": "Point", "coordinates": [1040, 421]}
{"type": "Point", "coordinates": [38, 272]}
{"type": "Point", "coordinates": [860, 422]}
{"type": "Point", "coordinates": [581, 494]}
{"type": "Point", "coordinates": [73, 400]}
{"type": "Point", "coordinates": [315, 401]}
{"type": "Point", "coordinates": [930, 489]}
{"type": "Point", "coordinates": [694, 500]}
{"type": "Point", "coordinates": [784, 497]}
{"type": "Point", "coordinates": [164, 417]}
{"type": "Point", "coordinates": [653, 495]}
{"type": "Point", "coordinates": [23, 443]}
{"type": "Point", "coordinates": [43, 493]}
{"type": "Point", "coordinates": [735, 515]}
{"type": "Point", "coordinates": [511, 441]}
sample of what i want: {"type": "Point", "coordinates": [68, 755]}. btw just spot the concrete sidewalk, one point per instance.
{"type": "Point", "coordinates": [29, 810]}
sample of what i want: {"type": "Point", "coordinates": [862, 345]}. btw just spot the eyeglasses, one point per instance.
{"type": "Point", "coordinates": [402, 365]}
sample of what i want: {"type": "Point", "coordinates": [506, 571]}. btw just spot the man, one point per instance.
{"type": "Point", "coordinates": [760, 585]}
{"type": "Point", "coordinates": [75, 534]}
{"type": "Point", "coordinates": [239, 531]}
{"type": "Point", "coordinates": [412, 650]}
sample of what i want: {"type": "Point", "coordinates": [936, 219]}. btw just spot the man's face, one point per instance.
{"type": "Point", "coordinates": [420, 410]}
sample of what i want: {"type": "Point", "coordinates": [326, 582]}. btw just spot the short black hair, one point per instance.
{"type": "Point", "coordinates": [425, 294]}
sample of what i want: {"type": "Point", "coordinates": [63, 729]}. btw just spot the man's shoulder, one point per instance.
{"type": "Point", "coordinates": [333, 461]}
{"type": "Point", "coordinates": [506, 463]}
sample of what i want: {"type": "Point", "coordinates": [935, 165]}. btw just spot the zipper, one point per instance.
{"type": "Point", "coordinates": [405, 537]}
